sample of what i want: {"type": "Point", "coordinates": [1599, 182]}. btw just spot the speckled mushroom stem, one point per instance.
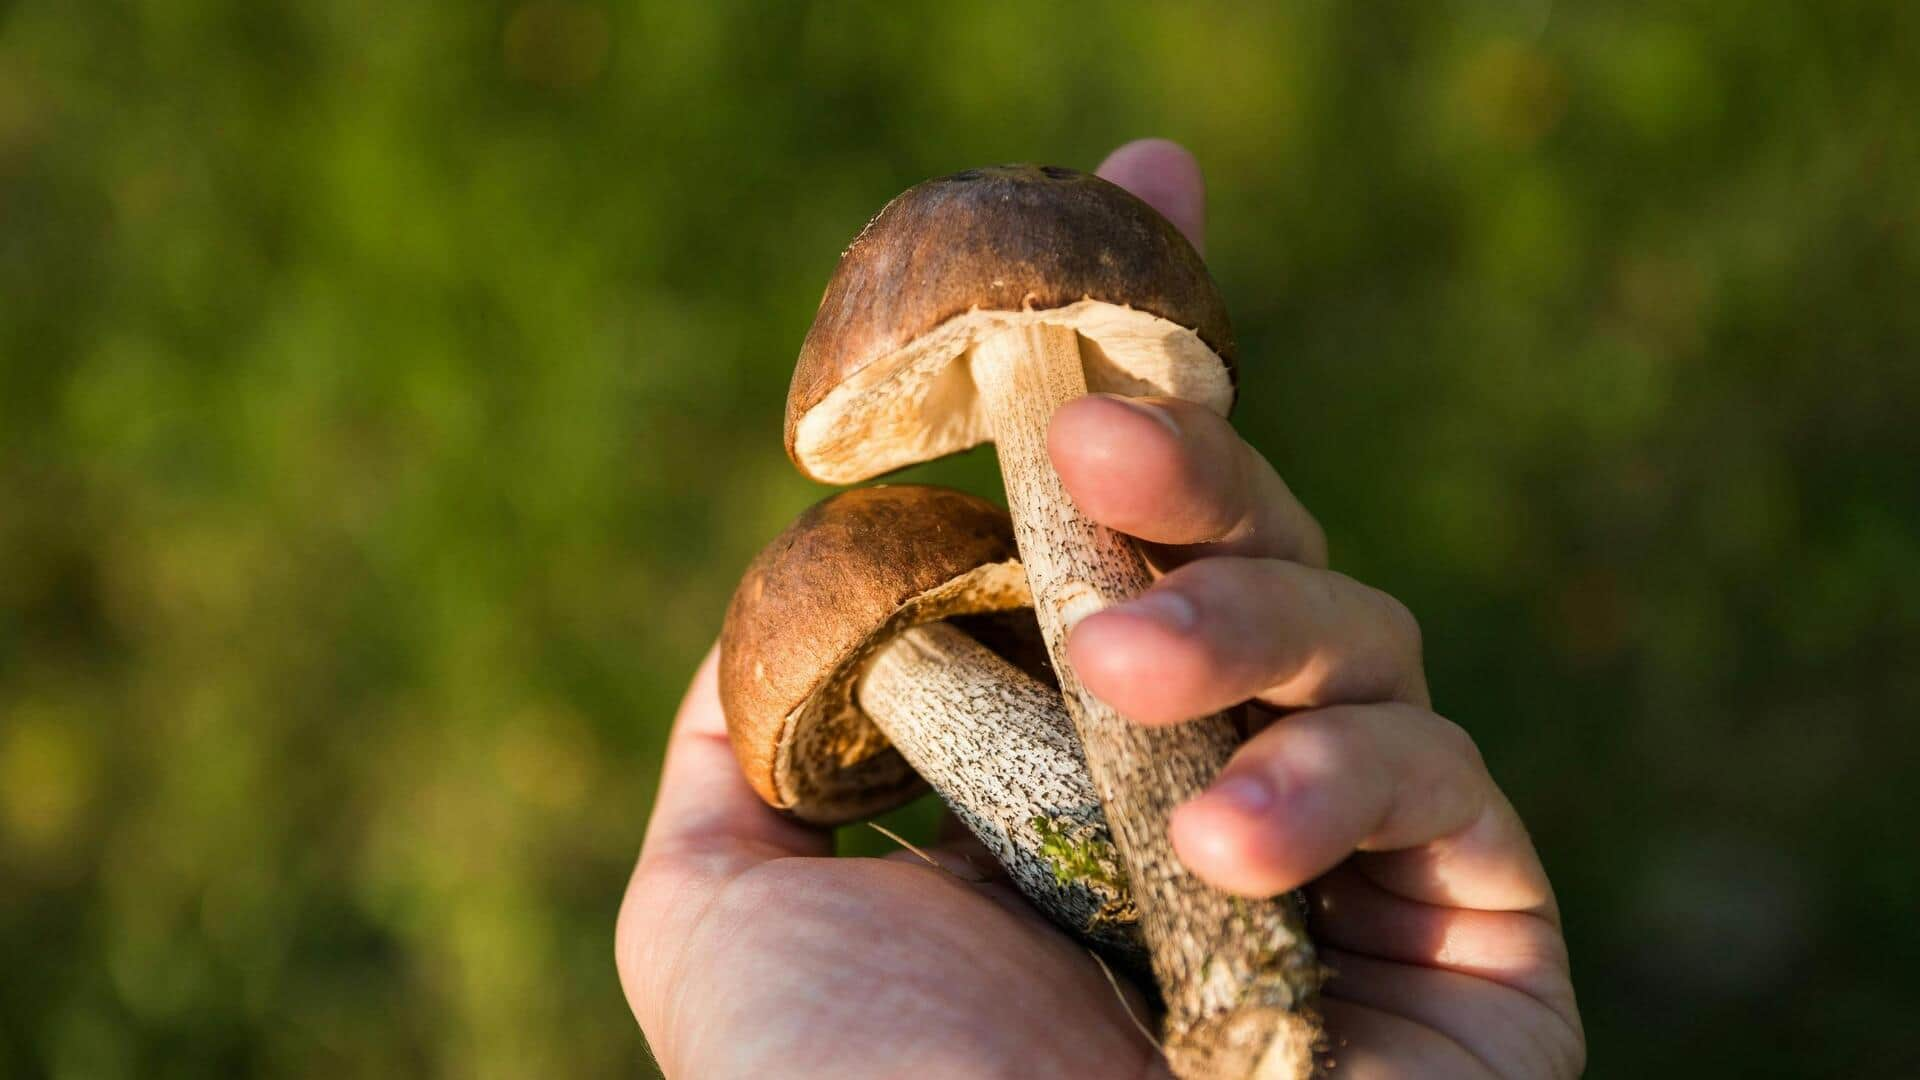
{"type": "Point", "coordinates": [999, 748]}
{"type": "Point", "coordinates": [1239, 977]}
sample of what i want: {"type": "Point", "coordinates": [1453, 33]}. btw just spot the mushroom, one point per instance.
{"type": "Point", "coordinates": [968, 310]}
{"type": "Point", "coordinates": [844, 687]}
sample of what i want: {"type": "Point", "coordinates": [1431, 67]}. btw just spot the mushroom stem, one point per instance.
{"type": "Point", "coordinates": [1000, 750]}
{"type": "Point", "coordinates": [1239, 976]}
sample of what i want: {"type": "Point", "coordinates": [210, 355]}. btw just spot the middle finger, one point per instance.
{"type": "Point", "coordinates": [1217, 632]}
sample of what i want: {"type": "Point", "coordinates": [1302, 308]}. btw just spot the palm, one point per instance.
{"type": "Point", "coordinates": [849, 967]}
{"type": "Point", "coordinates": [856, 967]}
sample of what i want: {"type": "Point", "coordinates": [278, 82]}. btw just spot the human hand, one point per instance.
{"type": "Point", "coordinates": [746, 949]}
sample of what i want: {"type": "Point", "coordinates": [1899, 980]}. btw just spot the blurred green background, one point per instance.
{"type": "Point", "coordinates": [391, 392]}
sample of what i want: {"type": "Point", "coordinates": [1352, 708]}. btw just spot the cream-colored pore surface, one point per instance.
{"type": "Point", "coordinates": [919, 403]}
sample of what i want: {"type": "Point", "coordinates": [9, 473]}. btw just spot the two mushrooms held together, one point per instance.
{"type": "Point", "coordinates": [889, 635]}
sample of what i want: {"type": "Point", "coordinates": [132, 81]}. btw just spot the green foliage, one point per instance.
{"type": "Point", "coordinates": [391, 392]}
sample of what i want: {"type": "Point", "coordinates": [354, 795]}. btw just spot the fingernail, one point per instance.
{"type": "Point", "coordinates": [1159, 415]}
{"type": "Point", "coordinates": [1164, 606]}
{"type": "Point", "coordinates": [1245, 795]}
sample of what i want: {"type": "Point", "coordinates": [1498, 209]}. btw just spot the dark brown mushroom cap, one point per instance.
{"type": "Point", "coordinates": [846, 576]}
{"type": "Point", "coordinates": [957, 257]}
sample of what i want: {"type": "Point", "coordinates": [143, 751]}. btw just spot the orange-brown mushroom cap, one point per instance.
{"type": "Point", "coordinates": [846, 576]}
{"type": "Point", "coordinates": [882, 380]}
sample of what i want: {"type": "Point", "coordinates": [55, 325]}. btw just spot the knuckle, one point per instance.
{"type": "Point", "coordinates": [1403, 629]}
{"type": "Point", "coordinates": [1222, 508]}
{"type": "Point", "coordinates": [1230, 590]}
{"type": "Point", "coordinates": [1229, 520]}
{"type": "Point", "coordinates": [1539, 954]}
{"type": "Point", "coordinates": [1457, 741]}
{"type": "Point", "coordinates": [1291, 595]}
{"type": "Point", "coordinates": [1313, 543]}
{"type": "Point", "coordinates": [1331, 739]}
{"type": "Point", "coordinates": [1212, 580]}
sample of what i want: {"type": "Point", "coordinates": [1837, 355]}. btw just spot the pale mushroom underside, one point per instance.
{"type": "Point", "coordinates": [919, 402]}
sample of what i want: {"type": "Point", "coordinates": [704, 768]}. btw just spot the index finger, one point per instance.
{"type": "Point", "coordinates": [1178, 476]}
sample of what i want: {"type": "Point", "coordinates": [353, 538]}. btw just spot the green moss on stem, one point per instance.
{"type": "Point", "coordinates": [1081, 853]}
